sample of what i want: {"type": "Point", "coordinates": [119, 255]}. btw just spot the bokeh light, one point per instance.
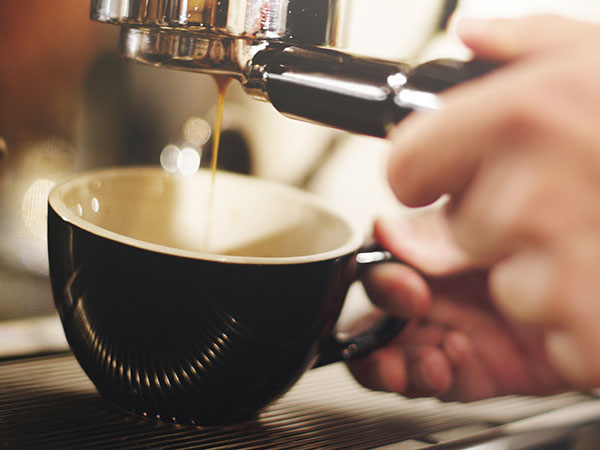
{"type": "Point", "coordinates": [188, 161]}
{"type": "Point", "coordinates": [196, 131]}
{"type": "Point", "coordinates": [168, 158]}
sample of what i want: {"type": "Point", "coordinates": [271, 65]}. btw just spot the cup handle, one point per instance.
{"type": "Point", "coordinates": [335, 349]}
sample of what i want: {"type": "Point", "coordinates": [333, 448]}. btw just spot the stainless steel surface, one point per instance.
{"type": "Point", "coordinates": [295, 21]}
{"type": "Point", "coordinates": [221, 55]}
{"type": "Point", "coordinates": [576, 426]}
{"type": "Point", "coordinates": [215, 36]}
{"type": "Point", "coordinates": [49, 403]}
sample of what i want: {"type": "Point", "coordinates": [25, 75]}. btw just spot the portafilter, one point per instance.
{"type": "Point", "coordinates": [282, 51]}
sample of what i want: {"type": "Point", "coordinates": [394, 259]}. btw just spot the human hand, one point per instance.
{"type": "Point", "coordinates": [457, 345]}
{"type": "Point", "coordinates": [518, 153]}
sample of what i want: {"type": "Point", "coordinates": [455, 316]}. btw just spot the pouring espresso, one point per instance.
{"type": "Point", "coordinates": [283, 52]}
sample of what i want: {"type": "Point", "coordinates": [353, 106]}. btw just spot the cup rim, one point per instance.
{"type": "Point", "coordinates": [66, 214]}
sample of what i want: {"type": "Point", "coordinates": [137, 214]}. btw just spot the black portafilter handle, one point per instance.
{"type": "Point", "coordinates": [361, 95]}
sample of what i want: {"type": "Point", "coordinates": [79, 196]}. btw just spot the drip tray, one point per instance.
{"type": "Point", "coordinates": [48, 402]}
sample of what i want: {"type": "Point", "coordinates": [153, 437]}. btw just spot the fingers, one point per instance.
{"type": "Point", "coordinates": [397, 289]}
{"type": "Point", "coordinates": [419, 362]}
{"type": "Point", "coordinates": [423, 241]}
{"type": "Point", "coordinates": [492, 344]}
{"type": "Point", "coordinates": [417, 372]}
{"type": "Point", "coordinates": [457, 347]}
{"type": "Point", "coordinates": [504, 40]}
{"type": "Point", "coordinates": [425, 366]}
{"type": "Point", "coordinates": [384, 369]}
{"type": "Point", "coordinates": [505, 169]}
{"type": "Point", "coordinates": [471, 382]}
{"type": "Point", "coordinates": [439, 152]}
{"type": "Point", "coordinates": [430, 372]}
{"type": "Point", "coordinates": [555, 290]}
{"type": "Point", "coordinates": [462, 352]}
{"type": "Point", "coordinates": [516, 183]}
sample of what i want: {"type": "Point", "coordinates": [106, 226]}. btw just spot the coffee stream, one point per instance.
{"type": "Point", "coordinates": [222, 82]}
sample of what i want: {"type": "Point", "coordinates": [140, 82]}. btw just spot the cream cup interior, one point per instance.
{"type": "Point", "coordinates": [252, 220]}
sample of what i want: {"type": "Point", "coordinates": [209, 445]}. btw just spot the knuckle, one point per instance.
{"type": "Point", "coordinates": [523, 288]}
{"type": "Point", "coordinates": [530, 118]}
{"type": "Point", "coordinates": [525, 215]}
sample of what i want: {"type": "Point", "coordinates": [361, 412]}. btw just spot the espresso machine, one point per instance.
{"type": "Point", "coordinates": [289, 53]}
{"type": "Point", "coordinates": [283, 52]}
{"type": "Point", "coordinates": [286, 52]}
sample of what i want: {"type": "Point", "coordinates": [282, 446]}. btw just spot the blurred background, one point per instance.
{"type": "Point", "coordinates": [69, 102]}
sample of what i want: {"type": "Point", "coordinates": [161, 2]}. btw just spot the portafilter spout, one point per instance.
{"type": "Point", "coordinates": [282, 51]}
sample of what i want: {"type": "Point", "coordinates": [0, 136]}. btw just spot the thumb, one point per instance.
{"type": "Point", "coordinates": [425, 242]}
{"type": "Point", "coordinates": [510, 39]}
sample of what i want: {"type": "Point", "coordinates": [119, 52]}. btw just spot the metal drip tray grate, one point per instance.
{"type": "Point", "coordinates": [49, 403]}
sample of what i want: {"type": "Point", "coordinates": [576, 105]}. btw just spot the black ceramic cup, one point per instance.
{"type": "Point", "coordinates": [189, 320]}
